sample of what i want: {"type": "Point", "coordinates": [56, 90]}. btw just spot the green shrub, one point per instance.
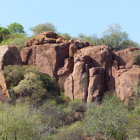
{"type": "Point", "coordinates": [15, 73]}
{"type": "Point", "coordinates": [28, 81]}
{"type": "Point", "coordinates": [53, 114]}
{"type": "Point", "coordinates": [18, 122]}
{"type": "Point", "coordinates": [76, 106]}
{"type": "Point", "coordinates": [73, 132]}
{"type": "Point", "coordinates": [108, 119]}
{"type": "Point", "coordinates": [133, 126]}
{"type": "Point", "coordinates": [31, 86]}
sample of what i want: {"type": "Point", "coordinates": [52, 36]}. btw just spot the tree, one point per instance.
{"type": "Point", "coordinates": [4, 32]}
{"type": "Point", "coordinates": [43, 28]}
{"type": "Point", "coordinates": [16, 28]}
{"type": "Point", "coordinates": [114, 36]}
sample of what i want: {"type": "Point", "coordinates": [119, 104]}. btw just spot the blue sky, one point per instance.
{"type": "Point", "coordinates": [74, 16]}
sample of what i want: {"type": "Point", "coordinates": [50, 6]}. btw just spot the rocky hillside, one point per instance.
{"type": "Point", "coordinates": [83, 72]}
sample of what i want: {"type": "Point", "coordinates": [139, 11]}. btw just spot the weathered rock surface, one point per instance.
{"type": "Point", "coordinates": [9, 55]}
{"type": "Point", "coordinates": [96, 84]}
{"type": "Point", "coordinates": [49, 51]}
{"type": "Point", "coordinates": [48, 57]}
{"type": "Point", "coordinates": [126, 82]}
{"type": "Point", "coordinates": [124, 74]}
{"type": "Point", "coordinates": [123, 58]}
{"type": "Point", "coordinates": [87, 81]}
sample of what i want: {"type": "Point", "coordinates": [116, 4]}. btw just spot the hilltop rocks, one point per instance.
{"type": "Point", "coordinates": [48, 51]}
{"type": "Point", "coordinates": [46, 37]}
{"type": "Point", "coordinates": [9, 55]}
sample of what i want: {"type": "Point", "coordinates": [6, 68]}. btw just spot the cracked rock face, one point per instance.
{"type": "Point", "coordinates": [87, 81]}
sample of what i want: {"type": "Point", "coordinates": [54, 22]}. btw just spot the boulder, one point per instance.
{"type": "Point", "coordinates": [126, 82]}
{"type": "Point", "coordinates": [72, 50]}
{"type": "Point", "coordinates": [44, 38]}
{"type": "Point", "coordinates": [124, 57]}
{"type": "Point", "coordinates": [25, 55]}
{"type": "Point", "coordinates": [9, 55]}
{"type": "Point", "coordinates": [122, 61]}
{"type": "Point", "coordinates": [96, 84]}
{"type": "Point", "coordinates": [64, 72]}
{"type": "Point", "coordinates": [73, 86]}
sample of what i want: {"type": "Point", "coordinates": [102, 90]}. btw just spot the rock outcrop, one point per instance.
{"type": "Point", "coordinates": [92, 65]}
{"type": "Point", "coordinates": [125, 74]}
{"type": "Point", "coordinates": [83, 72]}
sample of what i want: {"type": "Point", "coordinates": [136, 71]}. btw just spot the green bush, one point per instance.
{"type": "Point", "coordinates": [133, 126]}
{"type": "Point", "coordinates": [28, 81]}
{"type": "Point", "coordinates": [73, 132]}
{"type": "Point", "coordinates": [53, 115]}
{"type": "Point", "coordinates": [31, 86]}
{"type": "Point", "coordinates": [15, 73]}
{"type": "Point", "coordinates": [18, 122]}
{"type": "Point", "coordinates": [108, 119]}
{"type": "Point", "coordinates": [76, 106]}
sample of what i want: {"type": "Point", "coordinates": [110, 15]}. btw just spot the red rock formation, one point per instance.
{"type": "Point", "coordinates": [9, 55]}
{"type": "Point", "coordinates": [126, 82]}
{"type": "Point", "coordinates": [88, 77]}
{"type": "Point", "coordinates": [82, 72]}
{"type": "Point", "coordinates": [48, 57]}
{"type": "Point", "coordinates": [96, 84]}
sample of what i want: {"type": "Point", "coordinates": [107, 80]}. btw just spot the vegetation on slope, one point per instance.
{"type": "Point", "coordinates": [37, 110]}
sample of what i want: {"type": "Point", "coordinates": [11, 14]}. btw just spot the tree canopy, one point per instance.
{"type": "Point", "coordinates": [16, 28]}
{"type": "Point", "coordinates": [3, 33]}
{"type": "Point", "coordinates": [38, 29]}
